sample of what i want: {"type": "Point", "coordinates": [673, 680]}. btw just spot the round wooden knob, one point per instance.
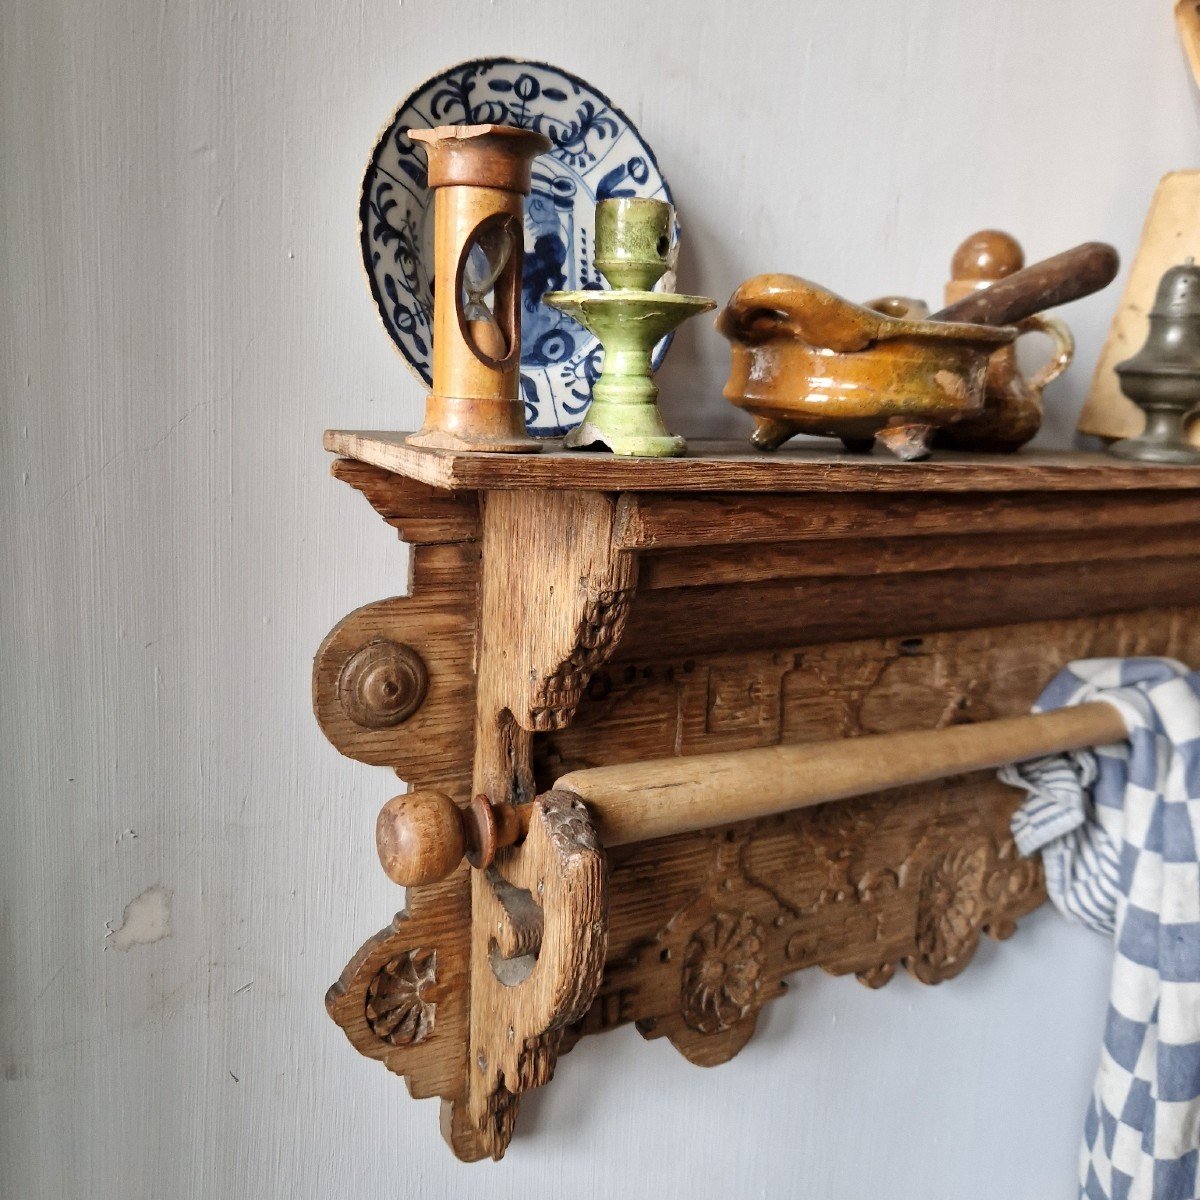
{"type": "Point", "coordinates": [420, 837]}
{"type": "Point", "coordinates": [987, 256]}
{"type": "Point", "coordinates": [382, 684]}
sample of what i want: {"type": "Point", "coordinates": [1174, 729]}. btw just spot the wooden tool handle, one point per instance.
{"type": "Point", "coordinates": [1065, 277]}
{"type": "Point", "coordinates": [422, 836]}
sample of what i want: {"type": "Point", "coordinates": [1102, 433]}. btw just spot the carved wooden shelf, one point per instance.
{"type": "Point", "coordinates": [568, 611]}
{"type": "Point", "coordinates": [725, 466]}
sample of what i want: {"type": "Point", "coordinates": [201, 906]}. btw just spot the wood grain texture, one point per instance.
{"type": "Point", "coordinates": [587, 659]}
{"type": "Point", "coordinates": [479, 175]}
{"type": "Point", "coordinates": [661, 797]}
{"type": "Point", "coordinates": [420, 838]}
{"type": "Point", "coordinates": [556, 592]}
{"type": "Point", "coordinates": [729, 466]}
{"type": "Point", "coordinates": [539, 929]}
{"type": "Point", "coordinates": [420, 513]}
{"type": "Point", "coordinates": [657, 706]}
{"type": "Point", "coordinates": [403, 999]}
{"type": "Point", "coordinates": [850, 886]}
{"type": "Point", "coordinates": [553, 599]}
{"type": "Point", "coordinates": [754, 562]}
{"type": "Point", "coordinates": [580, 588]}
{"type": "Point", "coordinates": [704, 927]}
{"type": "Point", "coordinates": [423, 837]}
{"type": "Point", "coordinates": [671, 519]}
{"type": "Point", "coordinates": [810, 611]}
{"type": "Point", "coordinates": [429, 747]}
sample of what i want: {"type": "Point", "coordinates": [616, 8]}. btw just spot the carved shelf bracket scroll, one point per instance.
{"type": "Point", "coordinates": [554, 594]}
{"type": "Point", "coordinates": [539, 933]}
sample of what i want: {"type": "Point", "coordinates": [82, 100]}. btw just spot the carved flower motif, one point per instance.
{"type": "Point", "coordinates": [876, 976]}
{"type": "Point", "coordinates": [1013, 881]}
{"type": "Point", "coordinates": [398, 1008]}
{"type": "Point", "coordinates": [722, 972]}
{"type": "Point", "coordinates": [949, 914]}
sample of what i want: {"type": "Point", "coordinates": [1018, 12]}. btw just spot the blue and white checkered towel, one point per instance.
{"type": "Point", "coordinates": [1119, 828]}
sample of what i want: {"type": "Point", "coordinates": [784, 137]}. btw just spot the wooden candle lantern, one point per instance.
{"type": "Point", "coordinates": [481, 174]}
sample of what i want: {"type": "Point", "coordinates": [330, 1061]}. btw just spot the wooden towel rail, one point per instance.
{"type": "Point", "coordinates": [423, 836]}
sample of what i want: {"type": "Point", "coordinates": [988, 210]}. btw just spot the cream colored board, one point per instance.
{"type": "Point", "coordinates": [1171, 233]}
{"type": "Point", "coordinates": [1187, 21]}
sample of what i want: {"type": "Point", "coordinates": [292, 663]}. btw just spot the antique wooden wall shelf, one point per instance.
{"type": "Point", "coordinates": [579, 628]}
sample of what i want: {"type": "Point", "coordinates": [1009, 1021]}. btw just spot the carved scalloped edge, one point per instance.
{"type": "Point", "coordinates": [516, 1028]}
{"type": "Point", "coordinates": [723, 956]}
{"type": "Point", "coordinates": [441, 630]}
{"type": "Point", "coordinates": [433, 928]}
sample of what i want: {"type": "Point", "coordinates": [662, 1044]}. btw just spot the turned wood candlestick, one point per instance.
{"type": "Point", "coordinates": [481, 174]}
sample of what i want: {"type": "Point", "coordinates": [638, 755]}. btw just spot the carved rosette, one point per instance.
{"type": "Point", "coordinates": [1010, 886]}
{"type": "Point", "coordinates": [399, 1004]}
{"type": "Point", "coordinates": [722, 972]}
{"type": "Point", "coordinates": [969, 890]}
{"type": "Point", "coordinates": [859, 887]}
{"type": "Point", "coordinates": [950, 910]}
{"type": "Point", "coordinates": [401, 999]}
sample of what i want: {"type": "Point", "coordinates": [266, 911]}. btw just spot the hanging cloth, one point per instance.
{"type": "Point", "coordinates": [1118, 828]}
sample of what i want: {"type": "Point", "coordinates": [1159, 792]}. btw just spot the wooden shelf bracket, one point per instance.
{"type": "Point", "coordinates": [696, 739]}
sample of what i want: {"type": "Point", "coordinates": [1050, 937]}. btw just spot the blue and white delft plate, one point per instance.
{"type": "Point", "coordinates": [597, 153]}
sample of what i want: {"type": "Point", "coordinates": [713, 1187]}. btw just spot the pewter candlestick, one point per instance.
{"type": "Point", "coordinates": [1163, 378]}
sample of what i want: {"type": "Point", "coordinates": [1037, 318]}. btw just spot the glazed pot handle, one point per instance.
{"type": "Point", "coordinates": [1064, 347]}
{"type": "Point", "coordinates": [769, 305]}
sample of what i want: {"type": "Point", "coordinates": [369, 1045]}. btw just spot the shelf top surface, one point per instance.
{"type": "Point", "coordinates": [727, 466]}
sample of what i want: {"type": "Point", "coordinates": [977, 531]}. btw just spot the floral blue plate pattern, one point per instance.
{"type": "Point", "coordinates": [597, 153]}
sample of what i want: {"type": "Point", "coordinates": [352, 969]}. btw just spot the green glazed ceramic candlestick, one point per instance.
{"type": "Point", "coordinates": [633, 242]}
{"type": "Point", "coordinates": [632, 252]}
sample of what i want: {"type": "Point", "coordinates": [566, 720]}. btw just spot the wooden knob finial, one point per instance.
{"type": "Point", "coordinates": [422, 837]}
{"type": "Point", "coordinates": [987, 256]}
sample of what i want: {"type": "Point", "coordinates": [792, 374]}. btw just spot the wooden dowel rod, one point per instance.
{"type": "Point", "coordinates": [635, 802]}
{"type": "Point", "coordinates": [422, 836]}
